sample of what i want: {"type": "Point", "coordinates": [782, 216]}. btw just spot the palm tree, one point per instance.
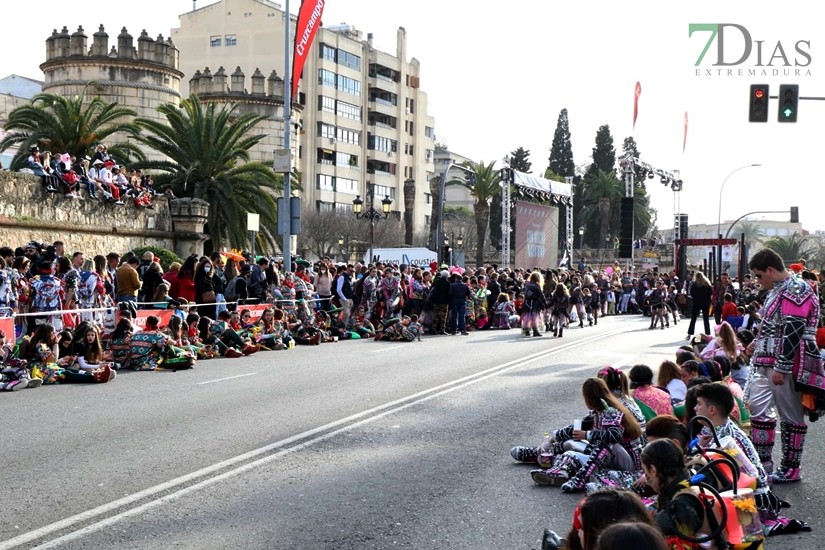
{"type": "Point", "coordinates": [791, 249]}
{"type": "Point", "coordinates": [753, 232]}
{"type": "Point", "coordinates": [602, 196]}
{"type": "Point", "coordinates": [208, 158]}
{"type": "Point", "coordinates": [69, 125]}
{"type": "Point", "coordinates": [486, 186]}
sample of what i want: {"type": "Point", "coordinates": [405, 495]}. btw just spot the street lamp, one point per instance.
{"type": "Point", "coordinates": [343, 243]}
{"type": "Point", "coordinates": [371, 214]}
{"type": "Point", "coordinates": [581, 237]}
{"type": "Point", "coordinates": [719, 218]}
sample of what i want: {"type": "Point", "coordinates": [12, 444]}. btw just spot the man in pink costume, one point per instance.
{"type": "Point", "coordinates": [787, 368]}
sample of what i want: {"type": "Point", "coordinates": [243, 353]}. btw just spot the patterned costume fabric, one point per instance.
{"type": "Point", "coordinates": [49, 372]}
{"type": "Point", "coordinates": [502, 315]}
{"type": "Point", "coordinates": [658, 400]}
{"type": "Point", "coordinates": [369, 296]}
{"type": "Point", "coordinates": [412, 332]}
{"type": "Point", "coordinates": [146, 350]}
{"type": "Point", "coordinates": [389, 289]}
{"type": "Point", "coordinates": [13, 372]}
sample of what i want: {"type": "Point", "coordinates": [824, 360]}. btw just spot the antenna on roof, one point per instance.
{"type": "Point", "coordinates": [194, 5]}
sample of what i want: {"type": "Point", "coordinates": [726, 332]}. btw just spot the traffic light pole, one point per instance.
{"type": "Point", "coordinates": [439, 238]}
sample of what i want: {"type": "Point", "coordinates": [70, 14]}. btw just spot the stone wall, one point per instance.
{"type": "Point", "coordinates": [28, 212]}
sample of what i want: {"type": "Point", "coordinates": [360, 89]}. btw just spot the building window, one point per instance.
{"type": "Point", "coordinates": [349, 136]}
{"type": "Point", "coordinates": [324, 206]}
{"type": "Point", "coordinates": [384, 191]}
{"type": "Point", "coordinates": [427, 221]}
{"type": "Point", "coordinates": [345, 159]}
{"type": "Point", "coordinates": [412, 128]}
{"type": "Point", "coordinates": [325, 183]}
{"type": "Point", "coordinates": [349, 60]}
{"type": "Point", "coordinates": [349, 85]}
{"type": "Point", "coordinates": [215, 41]}
{"type": "Point", "coordinates": [326, 104]}
{"type": "Point", "coordinates": [326, 78]}
{"type": "Point", "coordinates": [429, 132]}
{"type": "Point", "coordinates": [326, 156]}
{"type": "Point", "coordinates": [326, 130]}
{"type": "Point", "coordinates": [347, 186]}
{"type": "Point", "coordinates": [231, 40]}
{"type": "Point", "coordinates": [348, 110]}
{"type": "Point", "coordinates": [327, 52]}
{"type": "Point", "coordinates": [428, 198]}
{"type": "Point", "coordinates": [378, 143]}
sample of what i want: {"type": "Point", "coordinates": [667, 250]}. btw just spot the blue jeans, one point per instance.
{"type": "Point", "coordinates": [456, 314]}
{"type": "Point", "coordinates": [127, 298]}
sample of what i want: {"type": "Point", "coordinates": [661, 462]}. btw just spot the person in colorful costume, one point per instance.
{"type": "Point", "coordinates": [614, 442]}
{"type": "Point", "coordinates": [787, 373]}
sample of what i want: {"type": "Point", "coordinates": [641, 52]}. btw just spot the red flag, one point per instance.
{"type": "Point", "coordinates": [309, 19]}
{"type": "Point", "coordinates": [636, 103]}
{"type": "Point", "coordinates": [684, 139]}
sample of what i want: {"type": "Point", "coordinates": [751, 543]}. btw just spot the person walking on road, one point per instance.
{"type": "Point", "coordinates": [700, 294]}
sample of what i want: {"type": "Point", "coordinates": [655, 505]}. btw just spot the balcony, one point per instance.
{"type": "Point", "coordinates": [382, 107]}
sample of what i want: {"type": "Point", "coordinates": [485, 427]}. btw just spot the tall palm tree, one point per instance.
{"type": "Point", "coordinates": [486, 186]}
{"type": "Point", "coordinates": [602, 197]}
{"type": "Point", "coordinates": [791, 249]}
{"type": "Point", "coordinates": [208, 158]}
{"type": "Point", "coordinates": [69, 125]}
{"type": "Point", "coordinates": [753, 232]}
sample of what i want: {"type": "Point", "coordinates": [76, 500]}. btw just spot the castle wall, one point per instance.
{"type": "Point", "coordinates": [28, 213]}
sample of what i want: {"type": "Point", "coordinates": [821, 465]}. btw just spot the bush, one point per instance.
{"type": "Point", "coordinates": [167, 257]}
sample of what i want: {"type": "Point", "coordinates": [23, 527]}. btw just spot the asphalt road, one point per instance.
{"type": "Point", "coordinates": [353, 445]}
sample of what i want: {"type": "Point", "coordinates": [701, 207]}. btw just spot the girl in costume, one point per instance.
{"type": "Point", "coordinates": [272, 329]}
{"type": "Point", "coordinates": [559, 307]}
{"type": "Point", "coordinates": [504, 309]}
{"type": "Point", "coordinates": [614, 442]}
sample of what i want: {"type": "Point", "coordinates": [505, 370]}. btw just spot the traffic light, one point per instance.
{"type": "Point", "coordinates": [626, 228]}
{"type": "Point", "coordinates": [794, 214]}
{"type": "Point", "coordinates": [788, 102]}
{"type": "Point", "coordinates": [758, 103]}
{"type": "Point", "coordinates": [471, 179]}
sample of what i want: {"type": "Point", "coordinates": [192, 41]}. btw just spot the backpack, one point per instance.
{"type": "Point", "coordinates": [229, 291]}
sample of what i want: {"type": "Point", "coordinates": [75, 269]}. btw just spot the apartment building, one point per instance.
{"type": "Point", "coordinates": [364, 119]}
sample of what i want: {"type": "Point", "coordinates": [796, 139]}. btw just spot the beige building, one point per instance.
{"type": "Point", "coordinates": [365, 116]}
{"type": "Point", "coordinates": [454, 195]}
{"type": "Point", "coordinates": [770, 228]}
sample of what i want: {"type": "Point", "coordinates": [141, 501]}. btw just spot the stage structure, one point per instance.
{"type": "Point", "coordinates": [533, 190]}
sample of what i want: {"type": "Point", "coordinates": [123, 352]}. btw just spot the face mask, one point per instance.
{"type": "Point", "coordinates": [207, 268]}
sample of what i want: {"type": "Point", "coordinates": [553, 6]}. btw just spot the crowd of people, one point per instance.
{"type": "Point", "coordinates": [100, 176]}
{"type": "Point", "coordinates": [637, 452]}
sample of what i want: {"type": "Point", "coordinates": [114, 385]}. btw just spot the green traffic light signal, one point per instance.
{"type": "Point", "coordinates": [788, 102]}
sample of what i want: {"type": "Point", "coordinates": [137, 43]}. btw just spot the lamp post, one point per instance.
{"type": "Point", "coordinates": [371, 214]}
{"type": "Point", "coordinates": [719, 219]}
{"type": "Point", "coordinates": [581, 237]}
{"type": "Point", "coordinates": [343, 244]}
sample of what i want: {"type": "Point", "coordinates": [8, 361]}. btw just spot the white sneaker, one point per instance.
{"type": "Point", "coordinates": [119, 203]}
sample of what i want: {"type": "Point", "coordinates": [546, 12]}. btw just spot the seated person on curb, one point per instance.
{"type": "Point", "coordinates": [219, 334]}
{"type": "Point", "coordinates": [715, 401]}
{"type": "Point", "coordinates": [614, 442]}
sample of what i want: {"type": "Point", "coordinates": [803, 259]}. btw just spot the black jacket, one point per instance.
{"type": "Point", "coordinates": [492, 298]}
{"type": "Point", "coordinates": [459, 292]}
{"type": "Point", "coordinates": [440, 293]}
{"type": "Point", "coordinates": [701, 296]}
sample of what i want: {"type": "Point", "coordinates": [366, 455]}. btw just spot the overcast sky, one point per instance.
{"type": "Point", "coordinates": [498, 73]}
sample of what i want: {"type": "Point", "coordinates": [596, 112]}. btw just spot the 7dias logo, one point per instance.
{"type": "Point", "coordinates": [765, 58]}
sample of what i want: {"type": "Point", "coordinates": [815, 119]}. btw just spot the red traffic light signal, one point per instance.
{"type": "Point", "coordinates": [758, 106]}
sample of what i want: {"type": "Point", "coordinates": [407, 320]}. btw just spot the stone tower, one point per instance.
{"type": "Point", "coordinates": [141, 78]}
{"type": "Point", "coordinates": [265, 97]}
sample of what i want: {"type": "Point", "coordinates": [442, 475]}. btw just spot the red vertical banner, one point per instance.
{"type": "Point", "coordinates": [7, 326]}
{"type": "Point", "coordinates": [309, 19]}
{"type": "Point", "coordinates": [636, 95]}
{"type": "Point", "coordinates": [684, 138]}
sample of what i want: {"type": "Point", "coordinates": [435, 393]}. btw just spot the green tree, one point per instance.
{"type": "Point", "coordinates": [561, 152]}
{"type": "Point", "coordinates": [793, 248]}
{"type": "Point", "coordinates": [207, 154]}
{"type": "Point", "coordinates": [753, 232]}
{"type": "Point", "coordinates": [604, 154]}
{"type": "Point", "coordinates": [68, 125]}
{"type": "Point", "coordinates": [520, 161]}
{"type": "Point", "coordinates": [601, 208]}
{"type": "Point", "coordinates": [486, 187]}
{"type": "Point", "coordinates": [629, 146]}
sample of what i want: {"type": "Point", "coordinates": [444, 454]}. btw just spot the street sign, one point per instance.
{"type": "Point", "coordinates": [253, 222]}
{"type": "Point", "coordinates": [283, 161]}
{"type": "Point", "coordinates": [727, 254]}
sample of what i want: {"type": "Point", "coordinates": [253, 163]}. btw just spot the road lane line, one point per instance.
{"type": "Point", "coordinates": [339, 426]}
{"type": "Point", "coordinates": [229, 378]}
{"type": "Point", "coordinates": [386, 349]}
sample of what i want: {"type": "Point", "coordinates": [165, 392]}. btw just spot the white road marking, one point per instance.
{"type": "Point", "coordinates": [348, 424]}
{"type": "Point", "coordinates": [228, 378]}
{"type": "Point", "coordinates": [623, 358]}
{"type": "Point", "coordinates": [386, 349]}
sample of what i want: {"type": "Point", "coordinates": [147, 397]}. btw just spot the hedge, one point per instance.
{"type": "Point", "coordinates": [166, 257]}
